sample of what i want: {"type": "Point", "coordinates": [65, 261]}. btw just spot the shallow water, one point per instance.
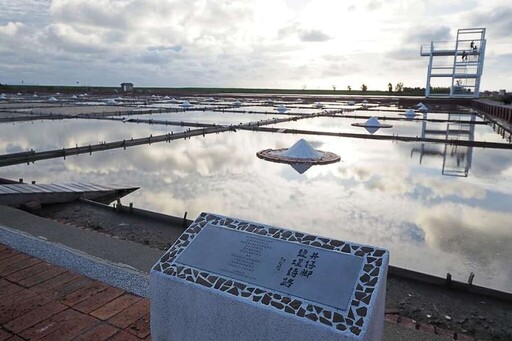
{"type": "Point", "coordinates": [382, 192]}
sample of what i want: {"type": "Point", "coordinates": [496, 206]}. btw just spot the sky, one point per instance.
{"type": "Point", "coordinates": [294, 44]}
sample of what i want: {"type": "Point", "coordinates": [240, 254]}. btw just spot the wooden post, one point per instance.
{"type": "Point", "coordinates": [185, 220]}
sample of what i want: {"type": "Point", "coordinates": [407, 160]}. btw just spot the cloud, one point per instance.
{"type": "Point", "coordinates": [235, 43]}
{"type": "Point", "coordinates": [498, 19]}
{"type": "Point", "coordinates": [373, 5]}
{"type": "Point", "coordinates": [404, 53]}
{"type": "Point", "coordinates": [313, 36]}
{"type": "Point", "coordinates": [34, 12]}
{"type": "Point", "coordinates": [305, 35]}
{"type": "Point", "coordinates": [471, 232]}
{"type": "Point", "coordinates": [165, 48]}
{"type": "Point", "coordinates": [422, 35]}
{"type": "Point", "coordinates": [11, 28]}
{"type": "Point", "coordinates": [442, 187]}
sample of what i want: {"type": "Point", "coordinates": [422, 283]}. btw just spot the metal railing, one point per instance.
{"type": "Point", "coordinates": [438, 46]}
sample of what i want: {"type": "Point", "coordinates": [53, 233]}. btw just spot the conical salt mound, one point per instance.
{"type": "Point", "coordinates": [372, 122]}
{"type": "Point", "coordinates": [281, 108]}
{"type": "Point", "coordinates": [422, 108]}
{"type": "Point", "coordinates": [410, 113]}
{"type": "Point", "coordinates": [302, 150]}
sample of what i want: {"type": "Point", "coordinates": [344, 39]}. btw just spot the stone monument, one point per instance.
{"type": "Point", "coordinates": [228, 279]}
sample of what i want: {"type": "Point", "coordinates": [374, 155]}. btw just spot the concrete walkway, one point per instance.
{"type": "Point", "coordinates": [93, 243]}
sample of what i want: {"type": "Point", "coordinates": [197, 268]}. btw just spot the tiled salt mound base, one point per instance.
{"type": "Point", "coordinates": [188, 303]}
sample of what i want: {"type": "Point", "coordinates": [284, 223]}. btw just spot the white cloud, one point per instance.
{"type": "Point", "coordinates": [239, 43]}
{"type": "Point", "coordinates": [475, 233]}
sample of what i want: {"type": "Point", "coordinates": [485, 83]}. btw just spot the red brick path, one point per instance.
{"type": "Point", "coordinates": [40, 301]}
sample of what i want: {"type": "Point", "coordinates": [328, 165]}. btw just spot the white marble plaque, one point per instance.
{"type": "Point", "coordinates": [310, 273]}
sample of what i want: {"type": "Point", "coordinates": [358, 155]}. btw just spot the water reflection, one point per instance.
{"type": "Point", "coordinates": [456, 159]}
{"type": "Point", "coordinates": [301, 168]}
{"type": "Point", "coordinates": [46, 135]}
{"type": "Point", "coordinates": [377, 194]}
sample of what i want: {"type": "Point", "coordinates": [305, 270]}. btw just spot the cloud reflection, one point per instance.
{"type": "Point", "coordinates": [376, 195]}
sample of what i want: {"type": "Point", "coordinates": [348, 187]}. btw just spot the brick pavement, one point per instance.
{"type": "Point", "coordinates": [40, 301]}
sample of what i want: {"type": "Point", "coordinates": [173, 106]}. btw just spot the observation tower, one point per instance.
{"type": "Point", "coordinates": [455, 68]}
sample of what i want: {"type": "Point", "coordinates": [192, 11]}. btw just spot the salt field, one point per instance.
{"type": "Point", "coordinates": [437, 207]}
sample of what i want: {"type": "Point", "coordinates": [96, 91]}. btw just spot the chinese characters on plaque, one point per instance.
{"type": "Point", "coordinates": [302, 266]}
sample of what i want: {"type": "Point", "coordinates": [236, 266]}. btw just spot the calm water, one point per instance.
{"type": "Point", "coordinates": [394, 195]}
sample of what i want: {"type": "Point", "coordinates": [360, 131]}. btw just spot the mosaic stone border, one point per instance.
{"type": "Point", "coordinates": [350, 321]}
{"type": "Point", "coordinates": [272, 155]}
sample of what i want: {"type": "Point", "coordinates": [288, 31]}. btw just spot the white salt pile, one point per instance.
{"type": "Point", "coordinates": [282, 108]}
{"type": "Point", "coordinates": [409, 113]}
{"type": "Point", "coordinates": [318, 105]}
{"type": "Point", "coordinates": [111, 101]}
{"type": "Point", "coordinates": [372, 122]}
{"type": "Point", "coordinates": [237, 103]}
{"type": "Point", "coordinates": [186, 104]}
{"type": "Point", "coordinates": [301, 150]}
{"type": "Point", "coordinates": [422, 108]}
{"type": "Point", "coordinates": [52, 99]}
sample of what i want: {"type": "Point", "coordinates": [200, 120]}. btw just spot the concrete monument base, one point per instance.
{"type": "Point", "coordinates": [226, 279]}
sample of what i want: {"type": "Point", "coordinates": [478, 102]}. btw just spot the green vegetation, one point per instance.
{"type": "Point", "coordinates": [507, 99]}
{"type": "Point", "coordinates": [189, 91]}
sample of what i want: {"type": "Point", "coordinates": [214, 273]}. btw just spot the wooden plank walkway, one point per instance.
{"type": "Point", "coordinates": [18, 194]}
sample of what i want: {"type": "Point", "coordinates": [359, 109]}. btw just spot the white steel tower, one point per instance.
{"type": "Point", "coordinates": [456, 67]}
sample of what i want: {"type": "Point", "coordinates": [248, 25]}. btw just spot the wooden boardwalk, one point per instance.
{"type": "Point", "coordinates": [20, 193]}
